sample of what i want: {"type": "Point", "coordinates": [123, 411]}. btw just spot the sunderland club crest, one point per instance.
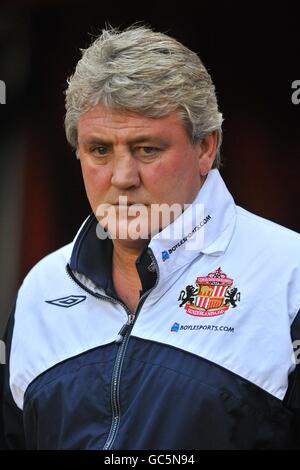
{"type": "Point", "coordinates": [212, 296]}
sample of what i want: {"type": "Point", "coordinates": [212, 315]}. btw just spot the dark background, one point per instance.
{"type": "Point", "coordinates": [252, 51]}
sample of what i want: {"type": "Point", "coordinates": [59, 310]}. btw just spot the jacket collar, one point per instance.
{"type": "Point", "coordinates": [91, 260]}
{"type": "Point", "coordinates": [204, 228]}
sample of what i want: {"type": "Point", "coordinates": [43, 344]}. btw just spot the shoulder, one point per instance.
{"type": "Point", "coordinates": [50, 267]}
{"type": "Point", "coordinates": [266, 231]}
{"type": "Point", "coordinates": [272, 254]}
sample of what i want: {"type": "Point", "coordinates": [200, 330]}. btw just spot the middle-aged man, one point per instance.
{"type": "Point", "coordinates": [169, 322]}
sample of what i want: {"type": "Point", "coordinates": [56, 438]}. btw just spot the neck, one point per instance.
{"type": "Point", "coordinates": [123, 263]}
{"type": "Point", "coordinates": [126, 279]}
{"type": "Point", "coordinates": [124, 257]}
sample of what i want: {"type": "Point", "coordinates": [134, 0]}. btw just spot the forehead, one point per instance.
{"type": "Point", "coordinates": [110, 122]}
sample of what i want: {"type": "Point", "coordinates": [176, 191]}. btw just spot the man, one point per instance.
{"type": "Point", "coordinates": [170, 323]}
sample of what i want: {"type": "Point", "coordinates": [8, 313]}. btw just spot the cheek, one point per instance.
{"type": "Point", "coordinates": [96, 180]}
{"type": "Point", "coordinates": [174, 180]}
{"type": "Point", "coordinates": [173, 172]}
{"type": "Point", "coordinates": [155, 178]}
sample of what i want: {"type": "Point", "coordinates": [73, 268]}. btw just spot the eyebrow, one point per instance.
{"type": "Point", "coordinates": [92, 140]}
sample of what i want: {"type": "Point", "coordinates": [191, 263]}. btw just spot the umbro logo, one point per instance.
{"type": "Point", "coordinates": [68, 301]}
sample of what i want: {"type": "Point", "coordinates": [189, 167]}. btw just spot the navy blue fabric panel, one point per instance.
{"type": "Point", "coordinates": [295, 328]}
{"type": "Point", "coordinates": [171, 399]}
{"type": "Point", "coordinates": [292, 397]}
{"type": "Point", "coordinates": [69, 406]}
{"type": "Point", "coordinates": [11, 417]}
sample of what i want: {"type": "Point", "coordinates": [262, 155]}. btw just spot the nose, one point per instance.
{"type": "Point", "coordinates": [125, 174]}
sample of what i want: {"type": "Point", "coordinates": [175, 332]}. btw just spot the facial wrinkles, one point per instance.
{"type": "Point", "coordinates": [118, 128]}
{"type": "Point", "coordinates": [159, 182]}
{"type": "Point", "coordinates": [107, 124]}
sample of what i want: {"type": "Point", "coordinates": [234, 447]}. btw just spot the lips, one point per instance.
{"type": "Point", "coordinates": [130, 204]}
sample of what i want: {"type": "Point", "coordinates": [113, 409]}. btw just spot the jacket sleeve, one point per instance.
{"type": "Point", "coordinates": [11, 417]}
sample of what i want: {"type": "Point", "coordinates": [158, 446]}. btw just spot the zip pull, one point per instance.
{"type": "Point", "coordinates": [124, 329]}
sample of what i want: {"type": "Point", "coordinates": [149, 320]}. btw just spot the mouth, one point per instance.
{"type": "Point", "coordinates": [130, 204]}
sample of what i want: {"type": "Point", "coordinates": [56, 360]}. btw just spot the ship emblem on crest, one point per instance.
{"type": "Point", "coordinates": [212, 296]}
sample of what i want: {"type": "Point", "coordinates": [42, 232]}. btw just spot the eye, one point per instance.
{"type": "Point", "coordinates": [149, 150]}
{"type": "Point", "coordinates": [147, 154]}
{"type": "Point", "coordinates": [100, 150]}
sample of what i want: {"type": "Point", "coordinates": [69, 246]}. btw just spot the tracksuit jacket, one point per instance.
{"type": "Point", "coordinates": [208, 360]}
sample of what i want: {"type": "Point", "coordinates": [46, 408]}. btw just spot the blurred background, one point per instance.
{"type": "Point", "coordinates": [252, 52]}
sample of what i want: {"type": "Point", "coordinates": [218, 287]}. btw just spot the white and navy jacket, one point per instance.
{"type": "Point", "coordinates": [206, 362]}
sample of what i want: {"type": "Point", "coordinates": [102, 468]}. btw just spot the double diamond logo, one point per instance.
{"type": "Point", "coordinates": [68, 301]}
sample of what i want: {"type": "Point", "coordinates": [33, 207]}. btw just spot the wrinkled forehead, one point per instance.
{"type": "Point", "coordinates": [109, 123]}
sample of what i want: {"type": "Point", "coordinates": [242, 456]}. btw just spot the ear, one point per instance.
{"type": "Point", "coordinates": [207, 149]}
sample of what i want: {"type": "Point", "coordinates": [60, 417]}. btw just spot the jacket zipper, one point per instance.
{"type": "Point", "coordinates": [122, 341]}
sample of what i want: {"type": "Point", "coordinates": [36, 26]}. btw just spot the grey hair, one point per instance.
{"type": "Point", "coordinates": [144, 72]}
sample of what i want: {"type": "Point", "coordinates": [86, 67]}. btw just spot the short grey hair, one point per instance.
{"type": "Point", "coordinates": [145, 72]}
